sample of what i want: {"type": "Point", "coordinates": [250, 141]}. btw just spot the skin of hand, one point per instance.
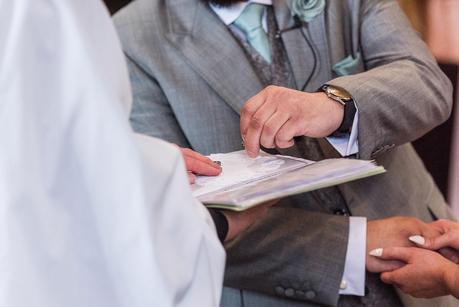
{"type": "Point", "coordinates": [238, 222]}
{"type": "Point", "coordinates": [390, 232]}
{"type": "Point", "coordinates": [447, 242]}
{"type": "Point", "coordinates": [276, 115]}
{"type": "Point", "coordinates": [196, 163]}
{"type": "Point", "coordinates": [426, 274]}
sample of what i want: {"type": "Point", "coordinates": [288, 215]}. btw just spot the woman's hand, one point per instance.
{"type": "Point", "coordinates": [198, 164]}
{"type": "Point", "coordinates": [426, 274]}
{"type": "Point", "coordinates": [447, 242]}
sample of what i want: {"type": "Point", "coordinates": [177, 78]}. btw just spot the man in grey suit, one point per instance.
{"type": "Point", "coordinates": [195, 64]}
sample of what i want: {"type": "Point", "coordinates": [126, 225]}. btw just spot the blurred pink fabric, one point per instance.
{"type": "Point", "coordinates": [454, 175]}
{"type": "Point", "coordinates": [443, 38]}
{"type": "Point", "coordinates": [443, 29]}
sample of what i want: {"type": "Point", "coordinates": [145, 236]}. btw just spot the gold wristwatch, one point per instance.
{"type": "Point", "coordinates": [344, 98]}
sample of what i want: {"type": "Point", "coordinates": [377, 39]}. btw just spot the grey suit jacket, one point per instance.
{"type": "Point", "coordinates": [190, 78]}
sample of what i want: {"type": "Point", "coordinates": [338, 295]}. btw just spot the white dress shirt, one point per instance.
{"type": "Point", "coordinates": [353, 282]}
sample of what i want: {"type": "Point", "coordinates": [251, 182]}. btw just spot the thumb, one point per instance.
{"type": "Point", "coordinates": [448, 239]}
{"type": "Point", "coordinates": [389, 277]}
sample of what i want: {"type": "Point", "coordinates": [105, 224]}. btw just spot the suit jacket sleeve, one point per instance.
{"type": "Point", "coordinates": [403, 94]}
{"type": "Point", "coordinates": [152, 114]}
{"type": "Point", "coordinates": [302, 259]}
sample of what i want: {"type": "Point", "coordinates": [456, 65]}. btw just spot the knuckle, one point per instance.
{"type": "Point", "coordinates": [429, 242]}
{"type": "Point", "coordinates": [270, 88]}
{"type": "Point", "coordinates": [443, 223]}
{"type": "Point", "coordinates": [256, 123]}
{"type": "Point", "coordinates": [281, 137]}
{"type": "Point", "coordinates": [246, 110]}
{"type": "Point", "coordinates": [268, 130]}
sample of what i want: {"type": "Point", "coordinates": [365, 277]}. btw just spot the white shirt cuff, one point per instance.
{"type": "Point", "coordinates": [353, 281]}
{"type": "Point", "coordinates": [347, 145]}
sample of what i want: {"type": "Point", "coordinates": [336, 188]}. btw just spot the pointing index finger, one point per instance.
{"type": "Point", "coordinates": [250, 126]}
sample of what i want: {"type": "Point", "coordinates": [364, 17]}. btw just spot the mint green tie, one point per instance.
{"type": "Point", "coordinates": [250, 22]}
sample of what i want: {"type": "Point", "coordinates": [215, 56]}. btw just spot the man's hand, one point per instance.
{"type": "Point", "coordinates": [276, 115]}
{"type": "Point", "coordinates": [238, 222]}
{"type": "Point", "coordinates": [393, 232]}
{"type": "Point", "coordinates": [426, 274]}
{"type": "Point", "coordinates": [196, 163]}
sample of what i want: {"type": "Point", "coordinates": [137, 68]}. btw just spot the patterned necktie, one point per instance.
{"type": "Point", "coordinates": [250, 22]}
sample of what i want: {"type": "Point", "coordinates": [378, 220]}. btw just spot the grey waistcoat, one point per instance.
{"type": "Point", "coordinates": [279, 73]}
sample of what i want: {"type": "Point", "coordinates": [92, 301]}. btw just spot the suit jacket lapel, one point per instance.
{"type": "Point", "coordinates": [299, 53]}
{"type": "Point", "coordinates": [212, 51]}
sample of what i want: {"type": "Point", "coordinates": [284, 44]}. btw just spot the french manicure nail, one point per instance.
{"type": "Point", "coordinates": [376, 252]}
{"type": "Point", "coordinates": [419, 240]}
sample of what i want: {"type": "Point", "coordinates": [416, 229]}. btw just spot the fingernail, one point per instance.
{"type": "Point", "coordinates": [376, 252]}
{"type": "Point", "coordinates": [219, 163]}
{"type": "Point", "coordinates": [419, 240]}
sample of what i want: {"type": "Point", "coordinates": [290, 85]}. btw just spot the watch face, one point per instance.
{"type": "Point", "coordinates": [339, 92]}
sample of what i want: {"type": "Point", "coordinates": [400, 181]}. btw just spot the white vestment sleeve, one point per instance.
{"type": "Point", "coordinates": [90, 214]}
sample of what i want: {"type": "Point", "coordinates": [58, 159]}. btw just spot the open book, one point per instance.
{"type": "Point", "coordinates": [246, 182]}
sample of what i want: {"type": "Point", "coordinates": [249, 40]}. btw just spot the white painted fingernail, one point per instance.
{"type": "Point", "coordinates": [419, 240]}
{"type": "Point", "coordinates": [376, 252]}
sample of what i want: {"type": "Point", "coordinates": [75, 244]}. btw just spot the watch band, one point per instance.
{"type": "Point", "coordinates": [221, 223]}
{"type": "Point", "coordinates": [348, 118]}
{"type": "Point", "coordinates": [343, 97]}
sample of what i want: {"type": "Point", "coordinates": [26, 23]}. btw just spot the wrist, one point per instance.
{"type": "Point", "coordinates": [451, 279]}
{"type": "Point", "coordinates": [334, 113]}
{"type": "Point", "coordinates": [221, 223]}
{"type": "Point", "coordinates": [232, 226]}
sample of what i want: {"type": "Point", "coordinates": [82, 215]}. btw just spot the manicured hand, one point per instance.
{"type": "Point", "coordinates": [393, 232]}
{"type": "Point", "coordinates": [426, 274]}
{"type": "Point", "coordinates": [446, 242]}
{"type": "Point", "coordinates": [196, 163]}
{"type": "Point", "coordinates": [276, 115]}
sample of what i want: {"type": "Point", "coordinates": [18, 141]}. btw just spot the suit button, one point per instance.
{"type": "Point", "coordinates": [340, 212]}
{"type": "Point", "coordinates": [310, 295]}
{"type": "Point", "coordinates": [289, 292]}
{"type": "Point", "coordinates": [279, 290]}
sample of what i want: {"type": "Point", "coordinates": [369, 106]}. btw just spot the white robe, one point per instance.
{"type": "Point", "coordinates": [90, 214]}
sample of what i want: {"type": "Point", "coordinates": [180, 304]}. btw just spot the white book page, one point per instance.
{"type": "Point", "coordinates": [239, 169]}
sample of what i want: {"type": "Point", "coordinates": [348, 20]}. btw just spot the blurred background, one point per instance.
{"type": "Point", "coordinates": [438, 23]}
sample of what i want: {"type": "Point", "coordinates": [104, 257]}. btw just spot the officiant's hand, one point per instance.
{"type": "Point", "coordinates": [198, 164]}
{"type": "Point", "coordinates": [276, 115]}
